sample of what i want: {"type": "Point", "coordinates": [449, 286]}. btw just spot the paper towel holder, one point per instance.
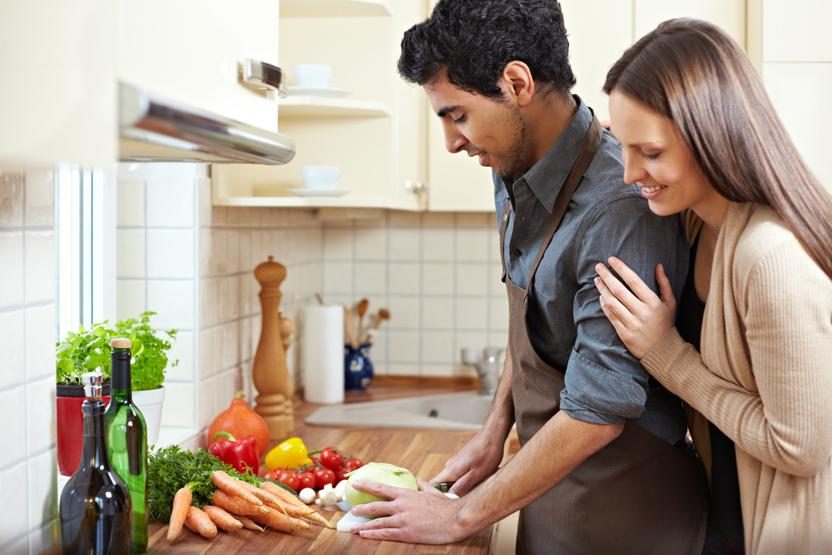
{"type": "Point", "coordinates": [269, 371]}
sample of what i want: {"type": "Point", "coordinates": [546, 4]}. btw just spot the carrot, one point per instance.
{"type": "Point", "coordinates": [199, 522]}
{"type": "Point", "coordinates": [277, 521]}
{"type": "Point", "coordinates": [249, 524]}
{"type": "Point", "coordinates": [179, 512]}
{"type": "Point", "coordinates": [266, 497]}
{"type": "Point", "coordinates": [236, 505]}
{"type": "Point", "coordinates": [293, 505]}
{"type": "Point", "coordinates": [232, 486]}
{"type": "Point", "coordinates": [222, 519]}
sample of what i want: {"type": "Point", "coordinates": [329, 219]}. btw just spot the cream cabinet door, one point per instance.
{"type": "Point", "coordinates": [57, 90]}
{"type": "Point", "coordinates": [188, 51]}
{"type": "Point", "coordinates": [728, 14]}
{"type": "Point", "coordinates": [456, 183]}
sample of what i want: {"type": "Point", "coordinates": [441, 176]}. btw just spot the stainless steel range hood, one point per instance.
{"type": "Point", "coordinates": [155, 130]}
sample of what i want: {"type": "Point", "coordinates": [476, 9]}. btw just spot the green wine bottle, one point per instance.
{"type": "Point", "coordinates": [127, 440]}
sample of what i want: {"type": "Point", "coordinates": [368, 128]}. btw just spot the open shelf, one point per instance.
{"type": "Point", "coordinates": [318, 107]}
{"type": "Point", "coordinates": [352, 200]}
{"type": "Point", "coordinates": [334, 8]}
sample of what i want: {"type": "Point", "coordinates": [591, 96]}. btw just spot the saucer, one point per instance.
{"type": "Point", "coordinates": [329, 92]}
{"type": "Point", "coordinates": [319, 192]}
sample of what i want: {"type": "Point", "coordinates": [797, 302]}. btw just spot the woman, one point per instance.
{"type": "Point", "coordinates": [700, 137]}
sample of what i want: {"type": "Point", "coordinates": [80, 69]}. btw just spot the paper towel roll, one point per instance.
{"type": "Point", "coordinates": [322, 354]}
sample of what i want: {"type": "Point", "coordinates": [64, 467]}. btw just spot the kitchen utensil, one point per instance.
{"type": "Point", "coordinates": [349, 327]}
{"type": "Point", "coordinates": [361, 310]}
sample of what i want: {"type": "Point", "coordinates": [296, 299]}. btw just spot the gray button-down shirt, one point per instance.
{"type": "Point", "coordinates": [604, 383]}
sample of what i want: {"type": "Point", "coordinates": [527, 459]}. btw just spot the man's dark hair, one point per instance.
{"type": "Point", "coordinates": [473, 40]}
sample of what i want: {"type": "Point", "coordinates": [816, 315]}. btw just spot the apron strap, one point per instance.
{"type": "Point", "coordinates": [589, 146]}
{"type": "Point", "coordinates": [503, 227]}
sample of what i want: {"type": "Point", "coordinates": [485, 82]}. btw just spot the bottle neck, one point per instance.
{"type": "Point", "coordinates": [120, 388]}
{"type": "Point", "coordinates": [94, 451]}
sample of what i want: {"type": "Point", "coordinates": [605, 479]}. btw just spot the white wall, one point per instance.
{"type": "Point", "coordinates": [793, 48]}
{"type": "Point", "coordinates": [28, 331]}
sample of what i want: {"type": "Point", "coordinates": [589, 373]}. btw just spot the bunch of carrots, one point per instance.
{"type": "Point", "coordinates": [193, 489]}
{"type": "Point", "coordinates": [236, 505]}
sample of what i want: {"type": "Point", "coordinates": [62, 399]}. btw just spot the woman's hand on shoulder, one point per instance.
{"type": "Point", "coordinates": [639, 316]}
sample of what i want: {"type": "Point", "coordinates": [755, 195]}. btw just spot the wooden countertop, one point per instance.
{"type": "Point", "coordinates": [424, 452]}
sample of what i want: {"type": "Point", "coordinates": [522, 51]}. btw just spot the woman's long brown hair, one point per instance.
{"type": "Point", "coordinates": [694, 74]}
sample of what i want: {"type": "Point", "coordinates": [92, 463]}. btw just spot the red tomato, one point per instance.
{"type": "Point", "coordinates": [341, 473]}
{"type": "Point", "coordinates": [287, 477]}
{"type": "Point", "coordinates": [306, 479]}
{"type": "Point", "coordinates": [324, 476]}
{"type": "Point", "coordinates": [331, 458]}
{"type": "Point", "coordinates": [353, 464]}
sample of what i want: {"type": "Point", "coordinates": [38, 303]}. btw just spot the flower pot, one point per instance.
{"type": "Point", "coordinates": [150, 403]}
{"type": "Point", "coordinates": [358, 368]}
{"type": "Point", "coordinates": [70, 420]}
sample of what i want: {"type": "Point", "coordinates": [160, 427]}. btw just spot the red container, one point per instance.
{"type": "Point", "coordinates": [71, 426]}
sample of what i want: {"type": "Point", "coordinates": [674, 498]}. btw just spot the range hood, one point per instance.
{"type": "Point", "coordinates": [155, 130]}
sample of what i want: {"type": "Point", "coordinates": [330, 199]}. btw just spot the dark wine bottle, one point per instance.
{"type": "Point", "coordinates": [95, 507]}
{"type": "Point", "coordinates": [127, 440]}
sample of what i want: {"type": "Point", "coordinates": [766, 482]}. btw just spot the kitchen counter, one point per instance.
{"type": "Point", "coordinates": [424, 452]}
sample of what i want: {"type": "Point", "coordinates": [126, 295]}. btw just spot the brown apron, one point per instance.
{"type": "Point", "coordinates": [638, 494]}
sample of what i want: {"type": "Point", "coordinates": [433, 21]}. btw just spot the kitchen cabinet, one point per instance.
{"type": "Point", "coordinates": [57, 69]}
{"type": "Point", "coordinates": [189, 50]}
{"type": "Point", "coordinates": [384, 136]}
{"type": "Point", "coordinates": [375, 133]}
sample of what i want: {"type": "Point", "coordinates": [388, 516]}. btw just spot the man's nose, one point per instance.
{"type": "Point", "coordinates": [454, 140]}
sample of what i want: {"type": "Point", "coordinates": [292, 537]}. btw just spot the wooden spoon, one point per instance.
{"type": "Point", "coordinates": [361, 310]}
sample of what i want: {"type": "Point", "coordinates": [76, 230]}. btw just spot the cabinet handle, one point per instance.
{"type": "Point", "coordinates": [261, 76]}
{"type": "Point", "coordinates": [415, 187]}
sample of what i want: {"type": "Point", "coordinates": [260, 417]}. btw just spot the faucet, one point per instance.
{"type": "Point", "coordinates": [488, 365]}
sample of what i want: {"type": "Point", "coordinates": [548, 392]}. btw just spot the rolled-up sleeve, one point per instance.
{"type": "Point", "coordinates": [604, 383]}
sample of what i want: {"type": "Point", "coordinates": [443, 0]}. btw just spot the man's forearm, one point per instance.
{"type": "Point", "coordinates": [501, 416]}
{"type": "Point", "coordinates": [556, 450]}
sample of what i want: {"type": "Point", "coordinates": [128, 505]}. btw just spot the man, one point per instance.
{"type": "Point", "coordinates": [599, 470]}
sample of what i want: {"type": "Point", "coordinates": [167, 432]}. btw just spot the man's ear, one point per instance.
{"type": "Point", "coordinates": [517, 79]}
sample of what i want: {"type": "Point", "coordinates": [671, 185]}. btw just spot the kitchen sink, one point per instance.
{"type": "Point", "coordinates": [450, 411]}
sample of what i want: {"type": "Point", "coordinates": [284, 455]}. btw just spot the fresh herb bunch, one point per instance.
{"type": "Point", "coordinates": [87, 349]}
{"type": "Point", "coordinates": [171, 468]}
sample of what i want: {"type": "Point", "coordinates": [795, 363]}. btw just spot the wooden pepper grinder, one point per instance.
{"type": "Point", "coordinates": [270, 374]}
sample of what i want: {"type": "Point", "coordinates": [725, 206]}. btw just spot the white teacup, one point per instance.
{"type": "Point", "coordinates": [320, 178]}
{"type": "Point", "coordinates": [313, 76]}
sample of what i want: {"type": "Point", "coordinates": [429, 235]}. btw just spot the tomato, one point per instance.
{"type": "Point", "coordinates": [288, 478]}
{"type": "Point", "coordinates": [270, 475]}
{"type": "Point", "coordinates": [331, 458]}
{"type": "Point", "coordinates": [341, 473]}
{"type": "Point", "coordinates": [353, 464]}
{"type": "Point", "coordinates": [306, 479]}
{"type": "Point", "coordinates": [324, 476]}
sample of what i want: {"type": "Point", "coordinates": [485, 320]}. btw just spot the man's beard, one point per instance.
{"type": "Point", "coordinates": [516, 162]}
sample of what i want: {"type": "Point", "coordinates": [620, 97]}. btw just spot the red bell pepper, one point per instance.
{"type": "Point", "coordinates": [241, 454]}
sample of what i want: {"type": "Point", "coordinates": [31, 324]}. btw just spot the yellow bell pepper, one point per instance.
{"type": "Point", "coordinates": [291, 453]}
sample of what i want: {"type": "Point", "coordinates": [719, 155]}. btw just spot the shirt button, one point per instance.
{"type": "Point", "coordinates": [517, 253]}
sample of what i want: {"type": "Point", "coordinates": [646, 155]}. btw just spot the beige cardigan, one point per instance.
{"type": "Point", "coordinates": [764, 377]}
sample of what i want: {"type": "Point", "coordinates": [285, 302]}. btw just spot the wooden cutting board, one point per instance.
{"type": "Point", "coordinates": [424, 452]}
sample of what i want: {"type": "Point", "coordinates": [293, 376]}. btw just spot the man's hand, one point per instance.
{"type": "Point", "coordinates": [411, 516]}
{"type": "Point", "coordinates": [475, 462]}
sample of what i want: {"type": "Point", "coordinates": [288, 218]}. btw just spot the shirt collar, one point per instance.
{"type": "Point", "coordinates": [547, 176]}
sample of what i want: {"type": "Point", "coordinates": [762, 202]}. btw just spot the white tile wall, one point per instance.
{"type": "Point", "coordinates": [28, 514]}
{"type": "Point", "coordinates": [439, 276]}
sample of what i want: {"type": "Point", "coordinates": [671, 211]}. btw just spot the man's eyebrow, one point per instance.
{"type": "Point", "coordinates": [446, 110]}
